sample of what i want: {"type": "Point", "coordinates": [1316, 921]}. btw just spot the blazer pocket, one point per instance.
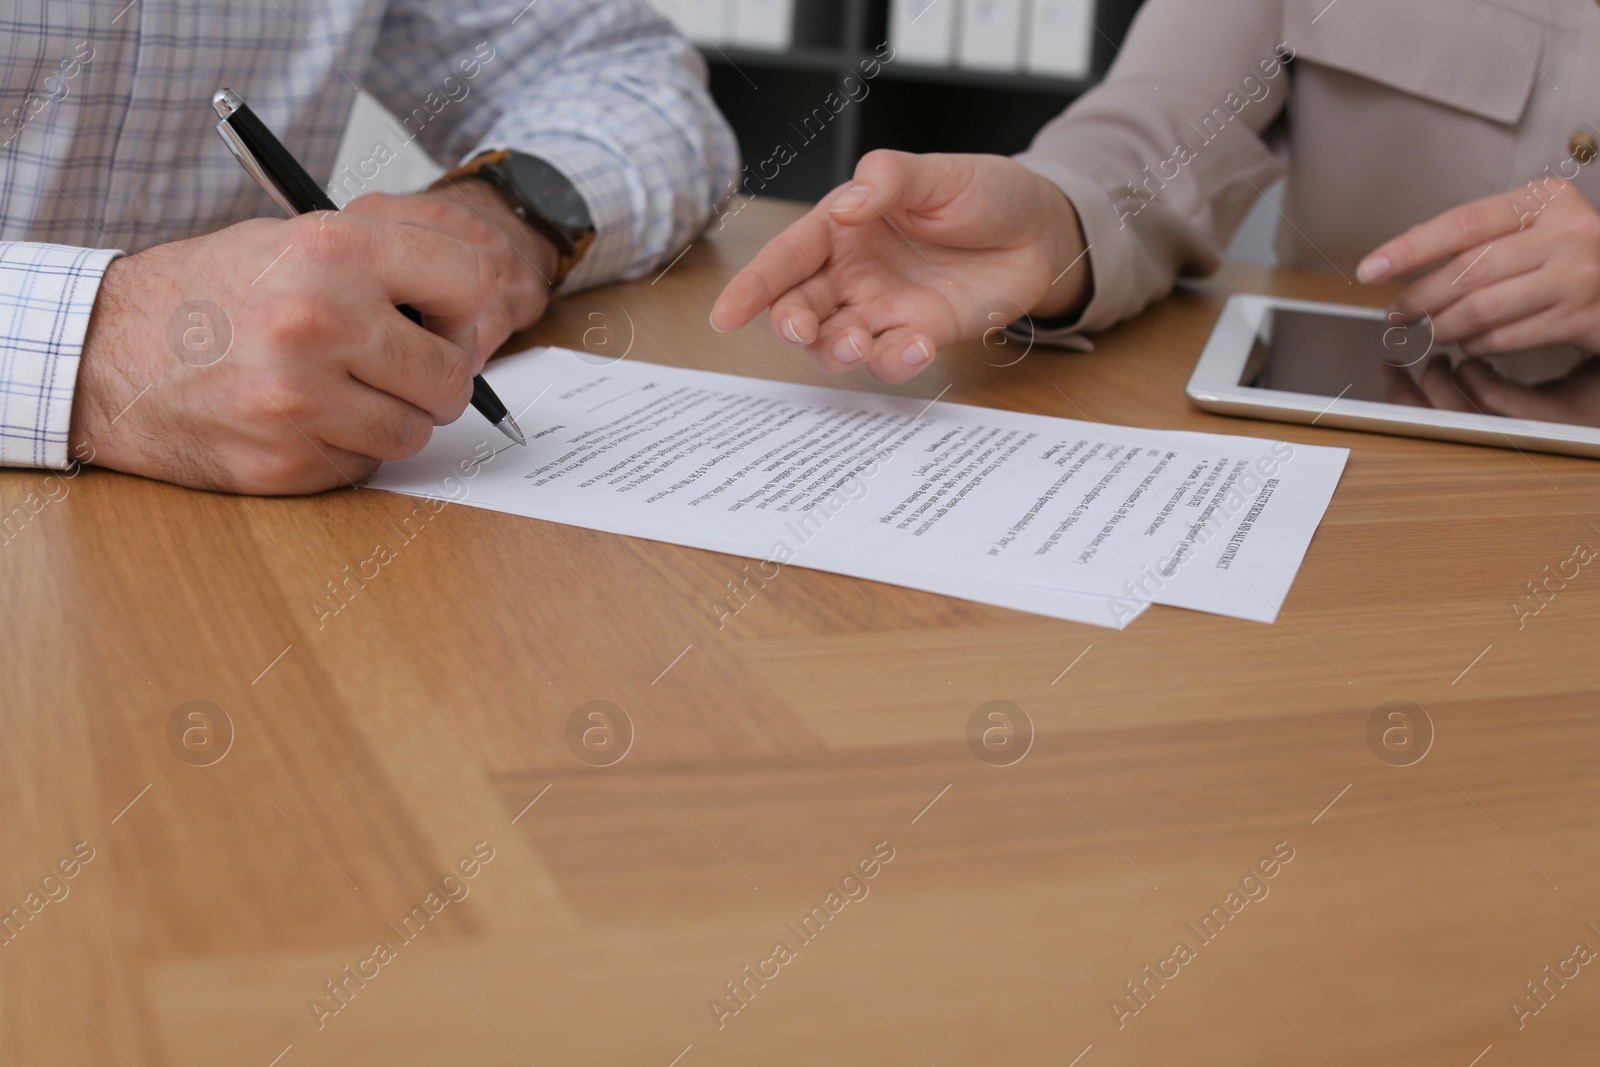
{"type": "Point", "coordinates": [1477, 57]}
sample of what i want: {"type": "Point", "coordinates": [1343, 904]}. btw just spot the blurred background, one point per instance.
{"type": "Point", "coordinates": [967, 76]}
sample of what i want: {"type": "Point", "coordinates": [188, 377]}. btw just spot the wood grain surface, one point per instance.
{"type": "Point", "coordinates": [246, 851]}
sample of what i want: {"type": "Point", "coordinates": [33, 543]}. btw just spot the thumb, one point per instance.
{"type": "Point", "coordinates": [886, 180]}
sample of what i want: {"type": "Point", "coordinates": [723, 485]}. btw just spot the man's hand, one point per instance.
{"type": "Point", "coordinates": [302, 375]}
{"type": "Point", "coordinates": [892, 267]}
{"type": "Point", "coordinates": [470, 210]}
{"type": "Point", "coordinates": [1522, 270]}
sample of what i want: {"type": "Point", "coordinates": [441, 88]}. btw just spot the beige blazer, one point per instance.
{"type": "Point", "coordinates": [1391, 112]}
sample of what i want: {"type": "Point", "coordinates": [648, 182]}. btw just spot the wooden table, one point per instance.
{"type": "Point", "coordinates": [372, 750]}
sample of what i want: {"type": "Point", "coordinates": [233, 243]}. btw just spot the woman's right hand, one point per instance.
{"type": "Point", "coordinates": [900, 262]}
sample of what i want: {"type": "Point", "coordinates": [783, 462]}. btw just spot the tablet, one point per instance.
{"type": "Point", "coordinates": [1360, 369]}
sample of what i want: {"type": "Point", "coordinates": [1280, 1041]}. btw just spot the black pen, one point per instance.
{"type": "Point", "coordinates": [266, 160]}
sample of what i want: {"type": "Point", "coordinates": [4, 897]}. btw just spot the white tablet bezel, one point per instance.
{"type": "Point", "coordinates": [1215, 387]}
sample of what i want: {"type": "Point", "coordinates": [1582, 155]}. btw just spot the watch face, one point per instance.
{"type": "Point", "coordinates": [547, 188]}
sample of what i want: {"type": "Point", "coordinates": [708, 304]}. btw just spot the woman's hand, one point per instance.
{"type": "Point", "coordinates": [897, 264]}
{"type": "Point", "coordinates": [1520, 270]}
{"type": "Point", "coordinates": [1474, 385]}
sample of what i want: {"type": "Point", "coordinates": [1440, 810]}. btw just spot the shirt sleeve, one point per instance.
{"type": "Point", "coordinates": [1164, 158]}
{"type": "Point", "coordinates": [604, 90]}
{"type": "Point", "coordinates": [47, 293]}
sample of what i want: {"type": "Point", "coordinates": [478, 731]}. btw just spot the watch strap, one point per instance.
{"type": "Point", "coordinates": [570, 247]}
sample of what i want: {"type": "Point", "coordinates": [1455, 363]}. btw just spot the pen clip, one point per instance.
{"type": "Point", "coordinates": [241, 152]}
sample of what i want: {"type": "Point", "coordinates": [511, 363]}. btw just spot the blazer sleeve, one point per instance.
{"type": "Point", "coordinates": [1163, 159]}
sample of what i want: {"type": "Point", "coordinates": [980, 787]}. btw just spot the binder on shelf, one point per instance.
{"type": "Point", "coordinates": [702, 21]}
{"type": "Point", "coordinates": [923, 31]}
{"type": "Point", "coordinates": [991, 34]}
{"type": "Point", "coordinates": [1061, 38]}
{"type": "Point", "coordinates": [767, 24]}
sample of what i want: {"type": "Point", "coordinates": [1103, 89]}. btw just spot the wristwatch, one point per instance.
{"type": "Point", "coordinates": [542, 197]}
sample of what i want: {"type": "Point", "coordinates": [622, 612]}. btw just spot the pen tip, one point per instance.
{"type": "Point", "coordinates": [509, 427]}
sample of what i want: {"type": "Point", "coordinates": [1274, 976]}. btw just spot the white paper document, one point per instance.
{"type": "Point", "coordinates": [1070, 519]}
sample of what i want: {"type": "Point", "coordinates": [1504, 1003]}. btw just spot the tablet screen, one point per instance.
{"type": "Point", "coordinates": [1372, 359]}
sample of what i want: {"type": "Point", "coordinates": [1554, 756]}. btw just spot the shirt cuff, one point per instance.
{"type": "Point", "coordinates": [47, 293]}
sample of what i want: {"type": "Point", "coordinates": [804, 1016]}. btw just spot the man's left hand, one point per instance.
{"type": "Point", "coordinates": [470, 210]}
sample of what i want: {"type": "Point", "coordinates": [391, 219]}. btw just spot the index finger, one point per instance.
{"type": "Point", "coordinates": [1444, 235]}
{"type": "Point", "coordinates": [447, 280]}
{"type": "Point", "coordinates": [784, 262]}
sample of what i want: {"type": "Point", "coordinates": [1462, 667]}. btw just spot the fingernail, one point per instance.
{"type": "Point", "coordinates": [1401, 313]}
{"type": "Point", "coordinates": [916, 354]}
{"type": "Point", "coordinates": [713, 323]}
{"type": "Point", "coordinates": [851, 199]}
{"type": "Point", "coordinates": [845, 350]}
{"type": "Point", "coordinates": [1373, 270]}
{"type": "Point", "coordinates": [790, 332]}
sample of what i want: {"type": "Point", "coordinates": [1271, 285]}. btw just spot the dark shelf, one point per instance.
{"type": "Point", "coordinates": [820, 60]}
{"type": "Point", "coordinates": [825, 60]}
{"type": "Point", "coordinates": [768, 97]}
{"type": "Point", "coordinates": [987, 79]}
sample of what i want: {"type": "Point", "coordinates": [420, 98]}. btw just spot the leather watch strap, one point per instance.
{"type": "Point", "coordinates": [570, 248]}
